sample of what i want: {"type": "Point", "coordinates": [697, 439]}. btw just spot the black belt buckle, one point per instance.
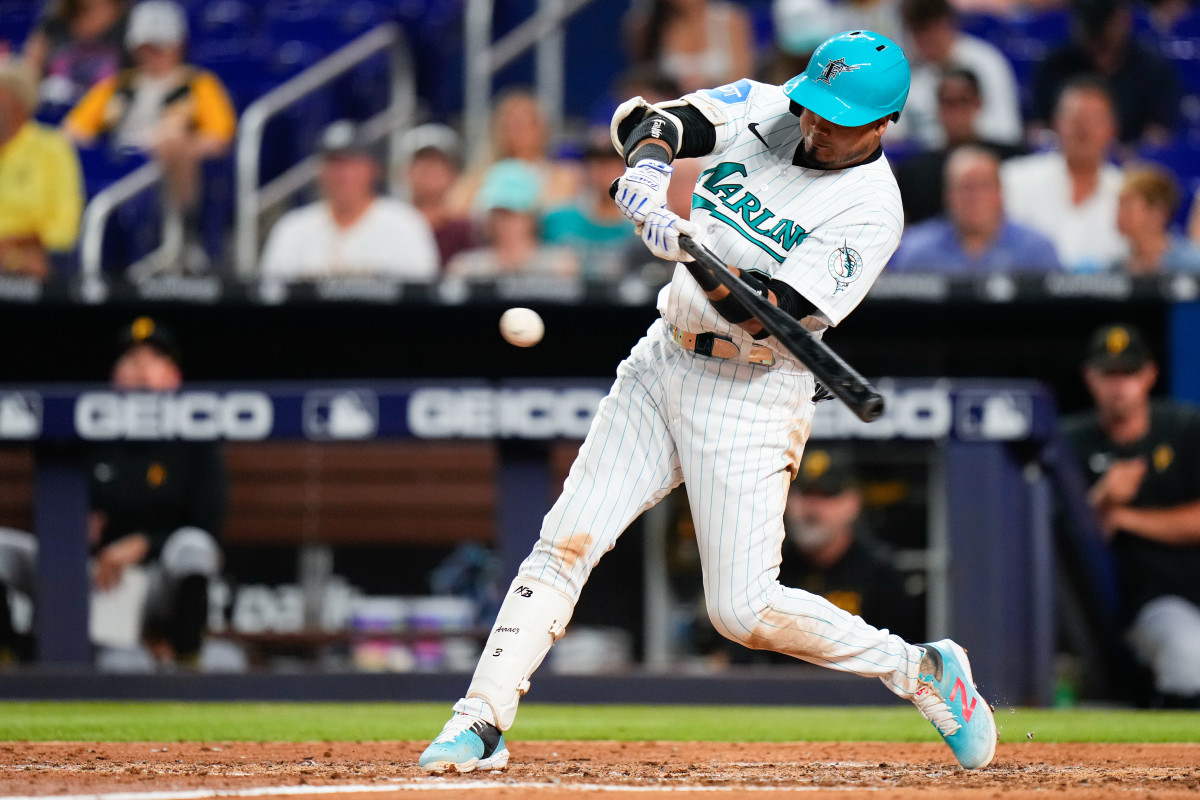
{"type": "Point", "coordinates": [705, 342]}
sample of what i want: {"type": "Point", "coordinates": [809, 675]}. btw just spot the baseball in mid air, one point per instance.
{"type": "Point", "coordinates": [522, 327]}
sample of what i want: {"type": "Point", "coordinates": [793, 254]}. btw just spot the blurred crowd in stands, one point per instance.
{"type": "Point", "coordinates": [1052, 135]}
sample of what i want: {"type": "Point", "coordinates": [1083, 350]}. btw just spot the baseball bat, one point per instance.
{"type": "Point", "coordinates": [837, 376]}
{"type": "Point", "coordinates": [841, 379]}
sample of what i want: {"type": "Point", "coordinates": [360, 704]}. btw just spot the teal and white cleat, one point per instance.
{"type": "Point", "coordinates": [466, 743]}
{"type": "Point", "coordinates": [948, 698]}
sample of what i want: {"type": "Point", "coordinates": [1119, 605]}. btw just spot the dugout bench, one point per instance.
{"type": "Point", "coordinates": [991, 557]}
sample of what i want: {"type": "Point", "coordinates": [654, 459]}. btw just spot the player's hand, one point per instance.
{"type": "Point", "coordinates": [661, 232]}
{"type": "Point", "coordinates": [1120, 483]}
{"type": "Point", "coordinates": [114, 558]}
{"type": "Point", "coordinates": [643, 188]}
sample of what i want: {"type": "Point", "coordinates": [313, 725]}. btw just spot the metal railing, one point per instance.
{"type": "Point", "coordinates": [101, 207]}
{"type": "Point", "coordinates": [484, 59]}
{"type": "Point", "coordinates": [254, 199]}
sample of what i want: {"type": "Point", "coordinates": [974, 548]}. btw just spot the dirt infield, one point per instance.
{"type": "Point", "coordinates": [552, 770]}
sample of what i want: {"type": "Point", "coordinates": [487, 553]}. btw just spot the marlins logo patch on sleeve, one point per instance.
{"type": "Point", "coordinates": [845, 265]}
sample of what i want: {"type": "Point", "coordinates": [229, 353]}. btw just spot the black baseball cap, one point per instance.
{"type": "Point", "coordinates": [827, 471]}
{"type": "Point", "coordinates": [149, 332]}
{"type": "Point", "coordinates": [343, 138]}
{"type": "Point", "coordinates": [1118, 348]}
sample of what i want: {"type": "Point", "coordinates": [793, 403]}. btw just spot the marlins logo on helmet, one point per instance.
{"type": "Point", "coordinates": [834, 68]}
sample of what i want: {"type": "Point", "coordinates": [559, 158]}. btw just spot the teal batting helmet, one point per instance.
{"type": "Point", "coordinates": [852, 79]}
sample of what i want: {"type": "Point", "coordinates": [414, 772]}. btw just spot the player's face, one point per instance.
{"type": "Point", "coordinates": [144, 368]}
{"type": "Point", "coordinates": [815, 519]}
{"type": "Point", "coordinates": [832, 146]}
{"type": "Point", "coordinates": [1120, 395]}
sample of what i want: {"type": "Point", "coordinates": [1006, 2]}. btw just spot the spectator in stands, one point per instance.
{"type": "Point", "coordinates": [1193, 223]}
{"type": "Point", "coordinates": [432, 154]}
{"type": "Point", "coordinates": [519, 131]}
{"type": "Point", "coordinates": [509, 201]}
{"type": "Point", "coordinates": [922, 188]}
{"type": "Point", "coordinates": [592, 226]}
{"type": "Point", "coordinates": [41, 192]}
{"type": "Point", "coordinates": [1070, 195]}
{"type": "Point", "coordinates": [696, 43]}
{"type": "Point", "coordinates": [973, 237]}
{"type": "Point", "coordinates": [936, 44]}
{"type": "Point", "coordinates": [155, 505]}
{"type": "Point", "coordinates": [800, 25]}
{"type": "Point", "coordinates": [642, 81]}
{"type": "Point", "coordinates": [164, 107]}
{"type": "Point", "coordinates": [77, 44]}
{"type": "Point", "coordinates": [881, 16]}
{"type": "Point", "coordinates": [351, 232]}
{"type": "Point", "coordinates": [1142, 459]}
{"type": "Point", "coordinates": [1147, 203]}
{"type": "Point", "coordinates": [1143, 84]}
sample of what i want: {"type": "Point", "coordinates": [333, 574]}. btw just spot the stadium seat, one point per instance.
{"type": "Point", "coordinates": [222, 20]}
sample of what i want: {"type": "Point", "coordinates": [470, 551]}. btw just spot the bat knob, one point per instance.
{"type": "Point", "coordinates": [872, 408]}
{"type": "Point", "coordinates": [612, 188]}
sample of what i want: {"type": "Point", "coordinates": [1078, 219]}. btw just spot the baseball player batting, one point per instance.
{"type": "Point", "coordinates": [800, 202]}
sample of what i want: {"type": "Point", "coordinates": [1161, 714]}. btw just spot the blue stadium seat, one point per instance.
{"type": "Point", "coordinates": [222, 20]}
{"type": "Point", "coordinates": [16, 21]}
{"type": "Point", "coordinates": [1050, 27]}
{"type": "Point", "coordinates": [986, 26]}
{"type": "Point", "coordinates": [327, 25]}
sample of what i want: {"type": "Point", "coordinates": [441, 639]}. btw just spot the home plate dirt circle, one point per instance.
{"type": "Point", "coordinates": [552, 770]}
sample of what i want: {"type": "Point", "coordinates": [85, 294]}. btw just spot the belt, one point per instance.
{"type": "Point", "coordinates": [710, 344]}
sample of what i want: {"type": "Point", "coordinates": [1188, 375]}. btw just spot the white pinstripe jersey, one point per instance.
{"type": "Point", "coordinates": [826, 233]}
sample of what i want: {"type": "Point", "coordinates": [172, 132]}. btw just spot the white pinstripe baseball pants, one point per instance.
{"type": "Point", "coordinates": [734, 432]}
{"type": "Point", "coordinates": [731, 431]}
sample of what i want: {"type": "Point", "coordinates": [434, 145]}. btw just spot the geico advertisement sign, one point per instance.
{"type": "Point", "coordinates": [919, 413]}
{"type": "Point", "coordinates": [195, 416]}
{"type": "Point", "coordinates": [486, 413]}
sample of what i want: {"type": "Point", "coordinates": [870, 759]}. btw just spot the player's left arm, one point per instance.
{"type": "Point", "coordinates": [1176, 525]}
{"type": "Point", "coordinates": [650, 136]}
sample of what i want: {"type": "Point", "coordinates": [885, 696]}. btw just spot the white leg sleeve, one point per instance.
{"type": "Point", "coordinates": [532, 618]}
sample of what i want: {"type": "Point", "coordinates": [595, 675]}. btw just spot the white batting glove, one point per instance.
{"type": "Point", "coordinates": [642, 188]}
{"type": "Point", "coordinates": [661, 232]}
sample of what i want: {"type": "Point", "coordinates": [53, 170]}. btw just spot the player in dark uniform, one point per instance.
{"type": "Point", "coordinates": [830, 551]}
{"type": "Point", "coordinates": [833, 554]}
{"type": "Point", "coordinates": [159, 505]}
{"type": "Point", "coordinates": [1142, 459]}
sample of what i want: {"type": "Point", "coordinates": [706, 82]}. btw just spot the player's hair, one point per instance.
{"type": "Point", "coordinates": [961, 74]}
{"type": "Point", "coordinates": [1155, 184]}
{"type": "Point", "coordinates": [916, 14]}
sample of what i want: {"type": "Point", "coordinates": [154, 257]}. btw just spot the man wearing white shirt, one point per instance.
{"type": "Point", "coordinates": [1071, 194]}
{"type": "Point", "coordinates": [938, 43]}
{"type": "Point", "coordinates": [352, 232]}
